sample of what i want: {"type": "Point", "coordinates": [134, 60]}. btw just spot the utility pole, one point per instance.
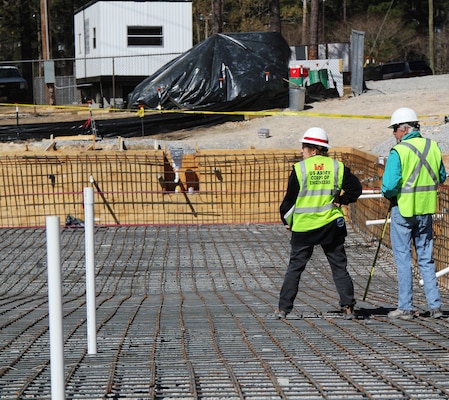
{"type": "Point", "coordinates": [44, 31]}
{"type": "Point", "coordinates": [49, 86]}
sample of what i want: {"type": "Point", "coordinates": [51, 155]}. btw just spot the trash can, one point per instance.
{"type": "Point", "coordinates": [314, 76]}
{"type": "Point", "coordinates": [297, 97]}
{"type": "Point", "coordinates": [324, 79]}
{"type": "Point", "coordinates": [296, 81]}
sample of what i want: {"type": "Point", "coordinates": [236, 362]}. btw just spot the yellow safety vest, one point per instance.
{"type": "Point", "coordinates": [320, 180]}
{"type": "Point", "coordinates": [420, 162]}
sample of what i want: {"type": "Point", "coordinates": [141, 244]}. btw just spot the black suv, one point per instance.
{"type": "Point", "coordinates": [13, 87]}
{"type": "Point", "coordinates": [397, 69]}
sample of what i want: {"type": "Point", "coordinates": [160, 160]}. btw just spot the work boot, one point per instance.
{"type": "Point", "coordinates": [436, 313]}
{"type": "Point", "coordinates": [400, 314]}
{"type": "Point", "coordinates": [280, 314]}
{"type": "Point", "coordinates": [348, 312]}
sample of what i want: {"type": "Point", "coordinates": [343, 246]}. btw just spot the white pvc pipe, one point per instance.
{"type": "Point", "coordinates": [438, 274]}
{"type": "Point", "coordinates": [371, 191]}
{"type": "Point", "coordinates": [90, 269]}
{"type": "Point", "coordinates": [371, 196]}
{"type": "Point", "coordinates": [377, 221]}
{"type": "Point", "coordinates": [55, 308]}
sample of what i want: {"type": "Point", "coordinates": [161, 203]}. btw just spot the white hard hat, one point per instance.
{"type": "Point", "coordinates": [402, 116]}
{"type": "Point", "coordinates": [316, 136]}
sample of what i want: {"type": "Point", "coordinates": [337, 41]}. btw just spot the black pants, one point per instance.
{"type": "Point", "coordinates": [299, 256]}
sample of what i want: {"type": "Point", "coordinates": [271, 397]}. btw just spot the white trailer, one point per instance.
{"type": "Point", "coordinates": [120, 43]}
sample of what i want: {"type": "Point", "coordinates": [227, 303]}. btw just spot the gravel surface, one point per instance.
{"type": "Point", "coordinates": [358, 121]}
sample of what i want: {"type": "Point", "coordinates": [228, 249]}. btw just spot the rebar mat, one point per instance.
{"type": "Point", "coordinates": [186, 312]}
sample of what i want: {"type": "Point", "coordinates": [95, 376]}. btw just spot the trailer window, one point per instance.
{"type": "Point", "coordinates": [145, 36]}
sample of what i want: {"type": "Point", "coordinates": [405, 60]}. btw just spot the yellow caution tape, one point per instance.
{"type": "Point", "coordinates": [141, 112]}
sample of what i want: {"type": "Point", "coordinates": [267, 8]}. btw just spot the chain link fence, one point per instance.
{"type": "Point", "coordinates": [104, 81]}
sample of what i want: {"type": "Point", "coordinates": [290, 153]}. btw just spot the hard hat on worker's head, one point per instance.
{"type": "Point", "coordinates": [403, 115]}
{"type": "Point", "coordinates": [316, 136]}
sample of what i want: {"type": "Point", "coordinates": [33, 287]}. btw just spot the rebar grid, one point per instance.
{"type": "Point", "coordinates": [141, 188]}
{"type": "Point", "coordinates": [186, 312]}
{"type": "Point", "coordinates": [215, 187]}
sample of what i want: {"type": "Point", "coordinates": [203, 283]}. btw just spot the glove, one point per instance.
{"type": "Point", "coordinates": [393, 201]}
{"type": "Point", "coordinates": [337, 201]}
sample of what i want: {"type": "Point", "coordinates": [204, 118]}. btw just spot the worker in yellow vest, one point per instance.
{"type": "Point", "coordinates": [317, 188]}
{"type": "Point", "coordinates": [412, 174]}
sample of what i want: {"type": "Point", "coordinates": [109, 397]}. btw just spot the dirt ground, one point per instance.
{"type": "Point", "coordinates": [358, 121]}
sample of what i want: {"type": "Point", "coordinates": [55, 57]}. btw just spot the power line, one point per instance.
{"type": "Point", "coordinates": [380, 29]}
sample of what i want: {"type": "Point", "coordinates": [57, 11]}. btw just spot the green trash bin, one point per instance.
{"type": "Point", "coordinates": [324, 78]}
{"type": "Point", "coordinates": [314, 76]}
{"type": "Point", "coordinates": [296, 81]}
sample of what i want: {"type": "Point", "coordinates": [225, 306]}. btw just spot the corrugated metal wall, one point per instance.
{"type": "Point", "coordinates": [357, 52]}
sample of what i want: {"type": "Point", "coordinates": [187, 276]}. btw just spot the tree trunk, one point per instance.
{"type": "Point", "coordinates": [304, 22]}
{"type": "Point", "coordinates": [217, 12]}
{"type": "Point", "coordinates": [275, 16]}
{"type": "Point", "coordinates": [431, 38]}
{"type": "Point", "coordinates": [313, 49]}
{"type": "Point", "coordinates": [26, 49]}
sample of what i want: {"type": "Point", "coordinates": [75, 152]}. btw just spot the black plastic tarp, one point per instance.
{"type": "Point", "coordinates": [238, 71]}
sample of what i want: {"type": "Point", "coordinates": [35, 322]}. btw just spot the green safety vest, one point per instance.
{"type": "Point", "coordinates": [420, 161]}
{"type": "Point", "coordinates": [320, 180]}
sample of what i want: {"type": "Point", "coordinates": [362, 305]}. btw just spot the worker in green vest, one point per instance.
{"type": "Point", "coordinates": [412, 174]}
{"type": "Point", "coordinates": [317, 188]}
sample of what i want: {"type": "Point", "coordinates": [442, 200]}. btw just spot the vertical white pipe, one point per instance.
{"type": "Point", "coordinates": [90, 269]}
{"type": "Point", "coordinates": [55, 308]}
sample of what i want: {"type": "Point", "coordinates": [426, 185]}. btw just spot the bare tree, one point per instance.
{"type": "Point", "coordinates": [442, 51]}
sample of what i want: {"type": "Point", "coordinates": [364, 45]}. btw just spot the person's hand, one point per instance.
{"type": "Point", "coordinates": [393, 201]}
{"type": "Point", "coordinates": [336, 202]}
{"type": "Point", "coordinates": [288, 227]}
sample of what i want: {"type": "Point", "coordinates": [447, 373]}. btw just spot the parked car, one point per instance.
{"type": "Point", "coordinates": [13, 87]}
{"type": "Point", "coordinates": [396, 69]}
{"type": "Point", "coordinates": [372, 72]}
